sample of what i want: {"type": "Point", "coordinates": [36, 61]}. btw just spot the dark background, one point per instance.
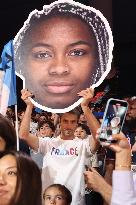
{"type": "Point", "coordinates": [14, 13]}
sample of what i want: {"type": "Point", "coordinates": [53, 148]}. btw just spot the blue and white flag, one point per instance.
{"type": "Point", "coordinates": [7, 78]}
{"type": "Point", "coordinates": [38, 110]}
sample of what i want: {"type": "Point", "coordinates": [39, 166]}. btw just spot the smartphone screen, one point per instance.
{"type": "Point", "coordinates": [113, 118]}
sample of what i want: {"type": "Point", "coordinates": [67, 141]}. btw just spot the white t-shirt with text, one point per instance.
{"type": "Point", "coordinates": [64, 163]}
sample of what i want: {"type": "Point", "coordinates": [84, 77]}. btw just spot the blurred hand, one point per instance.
{"type": "Point", "coordinates": [122, 149]}
{"type": "Point", "coordinates": [26, 96]}
{"type": "Point", "coordinates": [87, 96]}
{"type": "Point", "coordinates": [120, 142]}
{"type": "Point", "coordinates": [94, 180]}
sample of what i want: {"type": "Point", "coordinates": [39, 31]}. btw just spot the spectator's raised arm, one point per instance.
{"type": "Point", "coordinates": [91, 119]}
{"type": "Point", "coordinates": [123, 186]}
{"type": "Point", "coordinates": [24, 133]}
{"type": "Point", "coordinates": [122, 191]}
{"type": "Point", "coordinates": [98, 184]}
{"type": "Point", "coordinates": [123, 152]}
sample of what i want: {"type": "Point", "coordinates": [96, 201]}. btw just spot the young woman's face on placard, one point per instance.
{"type": "Point", "coordinates": [60, 59]}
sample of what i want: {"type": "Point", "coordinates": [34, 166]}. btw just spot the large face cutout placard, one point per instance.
{"type": "Point", "coordinates": [60, 51]}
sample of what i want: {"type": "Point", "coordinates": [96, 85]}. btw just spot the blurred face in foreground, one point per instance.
{"type": "Point", "coordinates": [8, 178]}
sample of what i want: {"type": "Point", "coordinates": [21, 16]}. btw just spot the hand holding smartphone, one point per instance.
{"type": "Point", "coordinates": [113, 119]}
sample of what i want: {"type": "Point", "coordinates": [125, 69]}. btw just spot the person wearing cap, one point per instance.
{"type": "Point", "coordinates": [61, 50]}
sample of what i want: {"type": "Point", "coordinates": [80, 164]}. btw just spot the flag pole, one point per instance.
{"type": "Point", "coordinates": [16, 126]}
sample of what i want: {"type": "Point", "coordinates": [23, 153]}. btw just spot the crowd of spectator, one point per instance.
{"type": "Point", "coordinates": [45, 125]}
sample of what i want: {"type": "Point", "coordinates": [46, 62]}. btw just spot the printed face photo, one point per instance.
{"type": "Point", "coordinates": [59, 61]}
{"type": "Point", "coordinates": [59, 58]}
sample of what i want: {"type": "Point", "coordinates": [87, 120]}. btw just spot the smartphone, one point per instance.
{"type": "Point", "coordinates": [113, 119]}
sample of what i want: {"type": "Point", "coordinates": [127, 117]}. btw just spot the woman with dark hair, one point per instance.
{"type": "Point", "coordinates": [8, 138]}
{"type": "Point", "coordinates": [61, 50]}
{"type": "Point", "coordinates": [57, 194]}
{"type": "Point", "coordinates": [7, 134]}
{"type": "Point", "coordinates": [20, 180]}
